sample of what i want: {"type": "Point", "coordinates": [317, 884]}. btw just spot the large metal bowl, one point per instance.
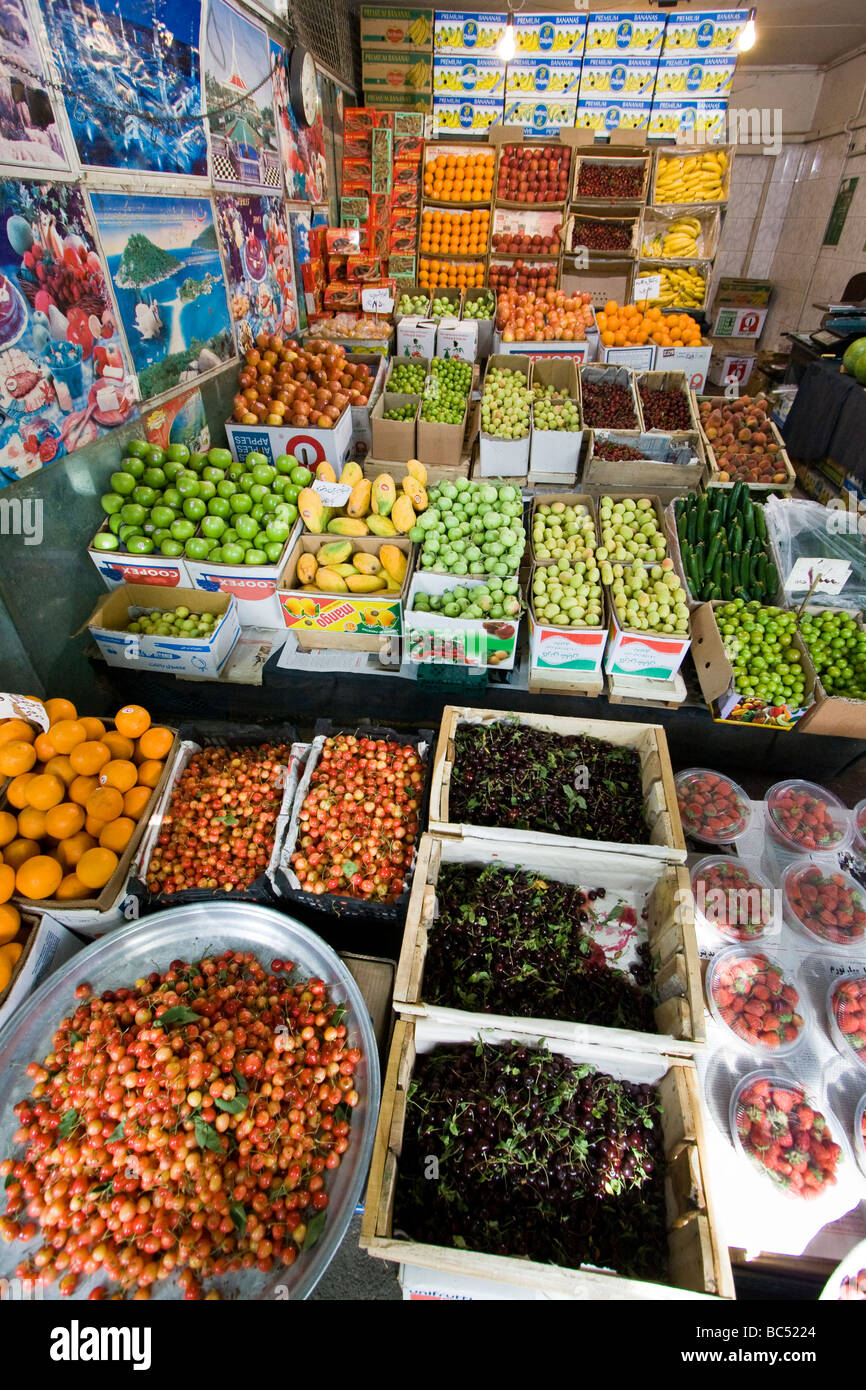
{"type": "Point", "coordinates": [190, 932]}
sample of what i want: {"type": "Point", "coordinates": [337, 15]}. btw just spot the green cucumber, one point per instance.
{"type": "Point", "coordinates": [749, 520]}
{"type": "Point", "coordinates": [760, 521]}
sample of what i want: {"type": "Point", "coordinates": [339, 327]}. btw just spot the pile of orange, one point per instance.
{"type": "Point", "coordinates": [75, 795]}
{"type": "Point", "coordinates": [460, 178]}
{"type": "Point", "coordinates": [637, 324]}
{"type": "Point", "coordinates": [455, 233]}
{"type": "Point", "coordinates": [453, 275]}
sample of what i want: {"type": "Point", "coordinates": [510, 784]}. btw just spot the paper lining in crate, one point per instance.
{"type": "Point", "coordinates": [659, 896]}
{"type": "Point", "coordinates": [553, 646]}
{"type": "Point", "coordinates": [661, 810]}
{"type": "Point", "coordinates": [675, 551]}
{"type": "Point", "coordinates": [571, 237]}
{"type": "Point", "coordinates": [610, 373]}
{"type": "Point", "coordinates": [673, 460]}
{"type": "Point", "coordinates": [658, 222]}
{"type": "Point", "coordinates": [698, 1257]}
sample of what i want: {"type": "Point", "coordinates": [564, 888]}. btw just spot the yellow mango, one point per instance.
{"type": "Point", "coordinates": [364, 583]}
{"type": "Point", "coordinates": [345, 569]}
{"type": "Point", "coordinates": [403, 514]}
{"type": "Point", "coordinates": [358, 504]}
{"type": "Point", "coordinates": [315, 516]}
{"type": "Point", "coordinates": [325, 473]}
{"type": "Point", "coordinates": [347, 526]}
{"type": "Point", "coordinates": [381, 525]}
{"type": "Point", "coordinates": [394, 562]}
{"type": "Point", "coordinates": [416, 493]}
{"type": "Point", "coordinates": [384, 494]}
{"type": "Point", "coordinates": [352, 473]}
{"type": "Point", "coordinates": [416, 469]}
{"type": "Point", "coordinates": [307, 566]}
{"type": "Point", "coordinates": [330, 582]}
{"type": "Point", "coordinates": [366, 564]}
{"type": "Point", "coordinates": [334, 552]}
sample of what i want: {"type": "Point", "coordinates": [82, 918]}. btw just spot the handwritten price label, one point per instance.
{"type": "Point", "coordinates": [647, 287]}
{"type": "Point", "coordinates": [332, 494]}
{"type": "Point", "coordinates": [377, 301]}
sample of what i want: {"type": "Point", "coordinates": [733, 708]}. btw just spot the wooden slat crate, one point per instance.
{"type": "Point", "coordinates": [661, 890]}
{"type": "Point", "coordinates": [699, 1263]}
{"type": "Point", "coordinates": [659, 792]}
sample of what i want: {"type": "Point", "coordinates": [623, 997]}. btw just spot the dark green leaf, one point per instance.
{"type": "Point", "coordinates": [68, 1123]}
{"type": "Point", "coordinates": [239, 1218]}
{"type": "Point", "coordinates": [232, 1107]}
{"type": "Point", "coordinates": [343, 1112]}
{"type": "Point", "coordinates": [9, 1180]}
{"type": "Point", "coordinates": [239, 1080]}
{"type": "Point", "coordinates": [116, 1135]}
{"type": "Point", "coordinates": [179, 1014]}
{"type": "Point", "coordinates": [349, 868]}
{"type": "Point", "coordinates": [314, 1229]}
{"type": "Point", "coordinates": [74, 1038]}
{"type": "Point", "coordinates": [339, 1014]}
{"type": "Point", "coordinates": [206, 1136]}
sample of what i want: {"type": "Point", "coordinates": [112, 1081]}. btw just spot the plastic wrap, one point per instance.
{"type": "Point", "coordinates": [803, 531]}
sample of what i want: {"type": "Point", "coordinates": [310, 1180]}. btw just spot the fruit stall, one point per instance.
{"type": "Point", "coordinates": [433, 670]}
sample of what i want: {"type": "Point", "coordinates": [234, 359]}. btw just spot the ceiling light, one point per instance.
{"type": "Point", "coordinates": [507, 46]}
{"type": "Point", "coordinates": [748, 36]}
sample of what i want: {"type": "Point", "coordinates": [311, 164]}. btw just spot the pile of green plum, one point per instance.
{"type": "Point", "coordinates": [400, 412]}
{"type": "Point", "coordinates": [837, 646]}
{"type": "Point", "coordinates": [412, 304]}
{"type": "Point", "coordinates": [408, 378]}
{"type": "Point", "coordinates": [552, 411]}
{"type": "Point", "coordinates": [174, 622]}
{"type": "Point", "coordinates": [648, 599]}
{"type": "Point", "coordinates": [447, 391]}
{"type": "Point", "coordinates": [630, 531]}
{"type": "Point", "coordinates": [204, 506]}
{"type": "Point", "coordinates": [481, 308]}
{"type": "Point", "coordinates": [505, 404]}
{"type": "Point", "coordinates": [443, 308]}
{"type": "Point", "coordinates": [498, 598]}
{"type": "Point", "coordinates": [759, 643]}
{"type": "Point", "coordinates": [471, 528]}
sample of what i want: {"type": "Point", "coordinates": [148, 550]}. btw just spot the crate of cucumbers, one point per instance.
{"type": "Point", "coordinates": [720, 547]}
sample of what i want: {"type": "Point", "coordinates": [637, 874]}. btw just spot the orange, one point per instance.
{"type": "Point", "coordinates": [39, 877]}
{"type": "Point", "coordinates": [119, 746]}
{"type": "Point", "coordinates": [71, 887]}
{"type": "Point", "coordinates": [67, 734]}
{"type": "Point", "coordinates": [7, 882]}
{"type": "Point", "coordinates": [119, 773]}
{"type": "Point", "coordinates": [18, 852]}
{"type": "Point", "coordinates": [45, 749]}
{"type": "Point", "coordinates": [94, 728]}
{"type": "Point", "coordinates": [10, 922]}
{"type": "Point", "coordinates": [64, 820]}
{"type": "Point", "coordinates": [94, 827]}
{"type": "Point", "coordinates": [69, 851]}
{"type": "Point", "coordinates": [12, 953]}
{"type": "Point", "coordinates": [117, 834]}
{"type": "Point", "coordinates": [104, 804]}
{"type": "Point", "coordinates": [89, 757]}
{"type": "Point", "coordinates": [81, 788]}
{"type": "Point", "coordinates": [135, 801]}
{"type": "Point", "coordinates": [17, 729]}
{"type": "Point", "coordinates": [132, 720]}
{"type": "Point", "coordinates": [16, 792]}
{"type": "Point", "coordinates": [96, 867]}
{"type": "Point", "coordinates": [5, 972]}
{"type": "Point", "coordinates": [8, 827]}
{"type": "Point", "coordinates": [45, 791]}
{"type": "Point", "coordinates": [60, 709]}
{"type": "Point", "coordinates": [16, 756]}
{"type": "Point", "coordinates": [150, 772]}
{"type": "Point", "coordinates": [31, 823]}
{"type": "Point", "coordinates": [60, 766]}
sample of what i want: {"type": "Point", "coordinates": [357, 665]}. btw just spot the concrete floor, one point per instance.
{"type": "Point", "coordinates": [353, 1275]}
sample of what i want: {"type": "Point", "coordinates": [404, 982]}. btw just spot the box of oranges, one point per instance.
{"type": "Point", "coordinates": [446, 233]}
{"type": "Point", "coordinates": [451, 175]}
{"type": "Point", "coordinates": [632, 334]}
{"type": "Point", "coordinates": [79, 793]}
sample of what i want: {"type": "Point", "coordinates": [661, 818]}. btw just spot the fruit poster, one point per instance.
{"type": "Point", "coordinates": [132, 82]}
{"type": "Point", "coordinates": [238, 86]}
{"type": "Point", "coordinates": [29, 135]}
{"type": "Point", "coordinates": [257, 251]}
{"type": "Point", "coordinates": [164, 263]}
{"type": "Point", "coordinates": [63, 376]}
{"type": "Point", "coordinates": [303, 148]}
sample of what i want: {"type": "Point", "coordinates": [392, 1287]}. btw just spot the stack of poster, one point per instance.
{"type": "Point", "coordinates": [543, 79]}
{"type": "Point", "coordinates": [468, 75]}
{"type": "Point", "coordinates": [618, 76]}
{"type": "Point", "coordinates": [696, 73]}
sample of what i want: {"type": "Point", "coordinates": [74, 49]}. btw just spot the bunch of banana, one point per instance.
{"type": "Point", "coordinates": [419, 31]}
{"type": "Point", "coordinates": [376, 507]}
{"type": "Point", "coordinates": [682, 288]}
{"type": "Point", "coordinates": [693, 178]}
{"type": "Point", "coordinates": [678, 242]}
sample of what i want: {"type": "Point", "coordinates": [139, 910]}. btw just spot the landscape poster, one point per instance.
{"type": "Point", "coordinates": [164, 264]}
{"type": "Point", "coordinates": [257, 252]}
{"type": "Point", "coordinates": [238, 87]}
{"type": "Point", "coordinates": [303, 148]}
{"type": "Point", "coordinates": [134, 77]}
{"type": "Point", "coordinates": [29, 135]}
{"type": "Point", "coordinates": [63, 376]}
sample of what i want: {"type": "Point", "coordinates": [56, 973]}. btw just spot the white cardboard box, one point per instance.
{"type": "Point", "coordinates": [181, 656]}
{"type": "Point", "coordinates": [732, 321]}
{"type": "Point", "coordinates": [456, 641]}
{"type": "Point", "coordinates": [584, 351]}
{"type": "Point", "coordinates": [694, 361]}
{"type": "Point", "coordinates": [457, 338]}
{"type": "Point", "coordinates": [48, 946]}
{"type": "Point", "coordinates": [310, 446]}
{"type": "Point", "coordinates": [416, 337]}
{"type": "Point", "coordinates": [255, 587]}
{"type": "Point", "coordinates": [650, 655]}
{"type": "Point", "coordinates": [119, 567]}
{"type": "Point", "coordinates": [579, 650]}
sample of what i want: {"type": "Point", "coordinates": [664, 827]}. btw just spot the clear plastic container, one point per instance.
{"type": "Point", "coordinates": [838, 897]}
{"type": "Point", "coordinates": [839, 1004]}
{"type": "Point", "coordinates": [733, 975]}
{"type": "Point", "coordinates": [762, 1091]}
{"type": "Point", "coordinates": [834, 830]}
{"type": "Point", "coordinates": [860, 1134]}
{"type": "Point", "coordinates": [858, 819]}
{"type": "Point", "coordinates": [713, 808]}
{"type": "Point", "coordinates": [735, 901]}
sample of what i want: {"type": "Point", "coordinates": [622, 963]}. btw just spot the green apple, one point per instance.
{"type": "Point", "coordinates": [183, 529]}
{"type": "Point", "coordinates": [196, 548]}
{"type": "Point", "coordinates": [291, 493]}
{"type": "Point", "coordinates": [172, 470]}
{"type": "Point", "coordinates": [137, 448]}
{"type": "Point", "coordinates": [139, 545]}
{"type": "Point", "coordinates": [178, 453]}
{"type": "Point", "coordinates": [219, 506]}
{"type": "Point", "coordinates": [246, 527]}
{"type": "Point", "coordinates": [220, 458]}
{"type": "Point", "coordinates": [258, 491]}
{"type": "Point", "coordinates": [172, 498]}
{"type": "Point", "coordinates": [278, 531]}
{"type": "Point", "coordinates": [194, 508]}
{"type": "Point", "coordinates": [255, 557]}
{"type": "Point", "coordinates": [213, 526]}
{"type": "Point", "coordinates": [188, 485]}
{"type": "Point", "coordinates": [273, 550]}
{"type": "Point", "coordinates": [213, 475]}
{"type": "Point", "coordinates": [134, 466]}
{"type": "Point", "coordinates": [132, 514]}
{"type": "Point", "coordinates": [104, 540]}
{"type": "Point", "coordinates": [126, 531]}
{"type": "Point", "coordinates": [301, 476]}
{"type": "Point", "coordinates": [154, 477]}
{"type": "Point", "coordinates": [111, 502]}
{"type": "Point", "coordinates": [216, 556]}
{"type": "Point", "coordinates": [170, 549]}
{"type": "Point", "coordinates": [206, 491]}
{"type": "Point", "coordinates": [255, 457]}
{"type": "Point", "coordinates": [156, 457]}
{"type": "Point", "coordinates": [115, 524]}
{"type": "Point", "coordinates": [122, 483]}
{"type": "Point", "coordinates": [286, 462]}
{"type": "Point", "coordinates": [226, 488]}
{"type": "Point", "coordinates": [240, 503]}
{"type": "Point", "coordinates": [144, 496]}
{"type": "Point", "coordinates": [233, 554]}
{"type": "Point", "coordinates": [264, 473]}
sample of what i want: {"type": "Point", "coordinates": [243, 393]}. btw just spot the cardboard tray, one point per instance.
{"type": "Point", "coordinates": [762, 488]}
{"type": "Point", "coordinates": [699, 1260]}
{"type": "Point", "coordinates": [835, 715]}
{"type": "Point", "coordinates": [562, 447]}
{"type": "Point", "coordinates": [651, 474]}
{"type": "Point", "coordinates": [622, 376]}
{"type": "Point", "coordinates": [331, 631]}
{"type": "Point", "coordinates": [47, 944]}
{"type": "Point", "coordinates": [648, 265]}
{"type": "Point", "coordinates": [679, 151]}
{"type": "Point", "coordinates": [657, 220]}
{"type": "Point", "coordinates": [570, 232]}
{"type": "Point", "coordinates": [666, 840]}
{"type": "Point", "coordinates": [660, 890]}
{"type": "Point", "coordinates": [669, 381]}
{"type": "Point", "coordinates": [393, 438]}
{"type": "Point", "coordinates": [715, 672]}
{"type": "Point", "coordinates": [781, 599]}
{"type": "Point", "coordinates": [615, 156]}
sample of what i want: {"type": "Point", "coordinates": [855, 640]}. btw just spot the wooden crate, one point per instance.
{"type": "Point", "coordinates": [543, 682]}
{"type": "Point", "coordinates": [647, 693]}
{"type": "Point", "coordinates": [570, 234]}
{"type": "Point", "coordinates": [645, 475]}
{"type": "Point", "coordinates": [660, 890]}
{"type": "Point", "coordinates": [699, 1262]}
{"type": "Point", "coordinates": [762, 489]}
{"type": "Point", "coordinates": [669, 381]}
{"type": "Point", "coordinates": [659, 791]}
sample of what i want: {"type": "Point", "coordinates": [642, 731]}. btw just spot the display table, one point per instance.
{"type": "Point", "coordinates": [828, 418]}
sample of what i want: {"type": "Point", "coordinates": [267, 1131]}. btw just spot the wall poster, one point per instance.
{"type": "Point", "coordinates": [237, 68]}
{"type": "Point", "coordinates": [29, 134]}
{"type": "Point", "coordinates": [303, 148]}
{"type": "Point", "coordinates": [258, 256]}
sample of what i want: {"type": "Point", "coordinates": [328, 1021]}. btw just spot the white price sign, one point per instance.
{"type": "Point", "coordinates": [647, 287]}
{"type": "Point", "coordinates": [834, 575]}
{"type": "Point", "coordinates": [377, 300]}
{"type": "Point", "coordinates": [332, 494]}
{"type": "Point", "coordinates": [23, 707]}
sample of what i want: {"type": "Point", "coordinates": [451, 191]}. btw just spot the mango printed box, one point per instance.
{"type": "Point", "coordinates": [456, 31]}
{"type": "Point", "coordinates": [694, 77]}
{"type": "Point", "coordinates": [598, 114]}
{"type": "Point", "coordinates": [550, 77]}
{"type": "Point", "coordinates": [705, 31]}
{"type": "Point", "coordinates": [630, 78]}
{"type": "Point", "coordinates": [469, 76]}
{"type": "Point", "coordinates": [549, 35]}
{"type": "Point", "coordinates": [474, 117]}
{"type": "Point", "coordinates": [624, 33]}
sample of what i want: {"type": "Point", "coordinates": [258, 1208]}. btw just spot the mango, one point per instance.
{"type": "Point", "coordinates": [416, 469]}
{"type": "Point", "coordinates": [352, 473]}
{"type": "Point", "coordinates": [347, 526]}
{"type": "Point", "coordinates": [345, 569]}
{"type": "Point", "coordinates": [334, 552]}
{"type": "Point", "coordinates": [394, 563]}
{"type": "Point", "coordinates": [364, 583]}
{"type": "Point", "coordinates": [416, 493]}
{"type": "Point", "coordinates": [381, 525]}
{"type": "Point", "coordinates": [307, 566]}
{"type": "Point", "coordinates": [359, 502]}
{"type": "Point", "coordinates": [315, 516]}
{"type": "Point", "coordinates": [366, 564]}
{"type": "Point", "coordinates": [330, 582]}
{"type": "Point", "coordinates": [384, 494]}
{"type": "Point", "coordinates": [325, 473]}
{"type": "Point", "coordinates": [403, 514]}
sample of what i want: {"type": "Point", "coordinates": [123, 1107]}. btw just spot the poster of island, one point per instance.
{"type": "Point", "coordinates": [164, 264]}
{"type": "Point", "coordinates": [64, 379]}
{"type": "Point", "coordinates": [303, 148]}
{"type": "Point", "coordinates": [132, 81]}
{"type": "Point", "coordinates": [257, 251]}
{"type": "Point", "coordinates": [237, 81]}
{"type": "Point", "coordinates": [29, 135]}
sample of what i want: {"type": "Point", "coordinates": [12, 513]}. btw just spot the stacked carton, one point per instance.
{"type": "Point", "coordinates": [396, 57]}
{"type": "Point", "coordinates": [737, 319]}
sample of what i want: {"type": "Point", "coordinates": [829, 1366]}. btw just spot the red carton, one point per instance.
{"type": "Point", "coordinates": [358, 120]}
{"type": "Point", "coordinates": [409, 148]}
{"type": "Point", "coordinates": [380, 209]}
{"type": "Point", "coordinates": [378, 242]}
{"type": "Point", "coordinates": [406, 197]}
{"type": "Point", "coordinates": [343, 241]}
{"type": "Point", "coordinates": [337, 268]}
{"type": "Point", "coordinates": [403, 243]}
{"type": "Point", "coordinates": [341, 295]}
{"type": "Point", "coordinates": [365, 268]}
{"type": "Point", "coordinates": [357, 146]}
{"type": "Point", "coordinates": [317, 244]}
{"type": "Point", "coordinates": [405, 175]}
{"type": "Point", "coordinates": [357, 177]}
{"type": "Point", "coordinates": [403, 220]}
{"type": "Point", "coordinates": [313, 276]}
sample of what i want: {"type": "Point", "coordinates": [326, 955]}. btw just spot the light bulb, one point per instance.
{"type": "Point", "coordinates": [748, 36]}
{"type": "Point", "coordinates": [507, 47]}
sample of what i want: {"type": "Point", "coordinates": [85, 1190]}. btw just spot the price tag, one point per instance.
{"type": "Point", "coordinates": [21, 707]}
{"type": "Point", "coordinates": [332, 494]}
{"type": "Point", "coordinates": [377, 300]}
{"type": "Point", "coordinates": [647, 287]}
{"type": "Point", "coordinates": [834, 575]}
